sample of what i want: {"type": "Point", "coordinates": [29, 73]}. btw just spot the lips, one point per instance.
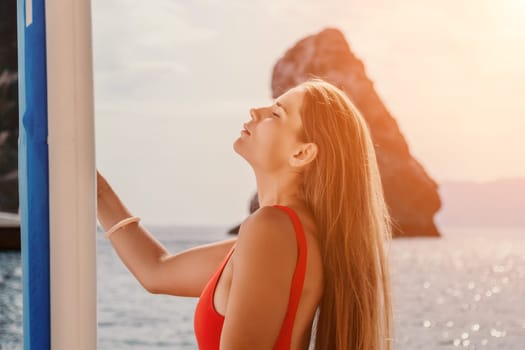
{"type": "Point", "coordinates": [246, 129]}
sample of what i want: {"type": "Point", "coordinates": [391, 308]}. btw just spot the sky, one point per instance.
{"type": "Point", "coordinates": [174, 81]}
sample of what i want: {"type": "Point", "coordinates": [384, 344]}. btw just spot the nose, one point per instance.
{"type": "Point", "coordinates": [252, 113]}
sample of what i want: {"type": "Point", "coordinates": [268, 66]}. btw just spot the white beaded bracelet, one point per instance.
{"type": "Point", "coordinates": [121, 223]}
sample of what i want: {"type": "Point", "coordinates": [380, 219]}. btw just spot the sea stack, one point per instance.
{"type": "Point", "coordinates": [411, 194]}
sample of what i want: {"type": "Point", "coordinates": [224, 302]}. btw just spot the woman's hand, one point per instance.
{"type": "Point", "coordinates": [110, 208]}
{"type": "Point", "coordinates": [102, 184]}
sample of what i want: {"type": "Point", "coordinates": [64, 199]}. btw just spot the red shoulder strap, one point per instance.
{"type": "Point", "coordinates": [297, 280]}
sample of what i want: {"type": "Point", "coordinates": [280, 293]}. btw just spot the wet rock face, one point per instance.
{"type": "Point", "coordinates": [8, 108]}
{"type": "Point", "coordinates": [410, 192]}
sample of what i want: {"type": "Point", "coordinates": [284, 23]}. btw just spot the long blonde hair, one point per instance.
{"type": "Point", "coordinates": [342, 186]}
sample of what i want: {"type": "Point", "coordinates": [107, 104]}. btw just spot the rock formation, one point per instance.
{"type": "Point", "coordinates": [410, 192]}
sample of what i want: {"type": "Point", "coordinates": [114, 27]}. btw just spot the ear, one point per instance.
{"type": "Point", "coordinates": [303, 155]}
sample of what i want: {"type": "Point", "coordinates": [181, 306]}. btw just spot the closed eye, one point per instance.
{"type": "Point", "coordinates": [277, 115]}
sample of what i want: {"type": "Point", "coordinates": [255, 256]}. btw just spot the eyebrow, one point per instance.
{"type": "Point", "coordinates": [280, 105]}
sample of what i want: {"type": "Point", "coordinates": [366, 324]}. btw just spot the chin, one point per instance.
{"type": "Point", "coordinates": [236, 146]}
{"type": "Point", "coordinates": [239, 150]}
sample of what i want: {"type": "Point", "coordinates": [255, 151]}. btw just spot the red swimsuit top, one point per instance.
{"type": "Point", "coordinates": [208, 322]}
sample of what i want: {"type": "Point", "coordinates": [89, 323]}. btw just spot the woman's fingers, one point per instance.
{"type": "Point", "coordinates": [102, 184]}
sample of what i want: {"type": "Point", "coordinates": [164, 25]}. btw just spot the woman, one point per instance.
{"type": "Point", "coordinates": [316, 242]}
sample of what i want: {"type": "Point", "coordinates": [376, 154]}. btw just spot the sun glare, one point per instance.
{"type": "Point", "coordinates": [518, 5]}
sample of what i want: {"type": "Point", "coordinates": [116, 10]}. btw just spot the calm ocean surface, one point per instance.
{"type": "Point", "coordinates": [466, 289]}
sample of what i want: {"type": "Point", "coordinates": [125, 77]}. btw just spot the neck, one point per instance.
{"type": "Point", "coordinates": [281, 189]}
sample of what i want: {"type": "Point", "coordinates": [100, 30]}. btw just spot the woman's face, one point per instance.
{"type": "Point", "coordinates": [272, 133]}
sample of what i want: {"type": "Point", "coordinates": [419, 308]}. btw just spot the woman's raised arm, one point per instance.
{"type": "Point", "coordinates": [182, 274]}
{"type": "Point", "coordinates": [136, 247]}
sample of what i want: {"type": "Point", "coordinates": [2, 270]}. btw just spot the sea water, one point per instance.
{"type": "Point", "coordinates": [465, 289]}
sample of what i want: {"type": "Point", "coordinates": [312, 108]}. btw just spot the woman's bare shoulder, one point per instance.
{"type": "Point", "coordinates": [268, 221]}
{"type": "Point", "coordinates": [262, 270]}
